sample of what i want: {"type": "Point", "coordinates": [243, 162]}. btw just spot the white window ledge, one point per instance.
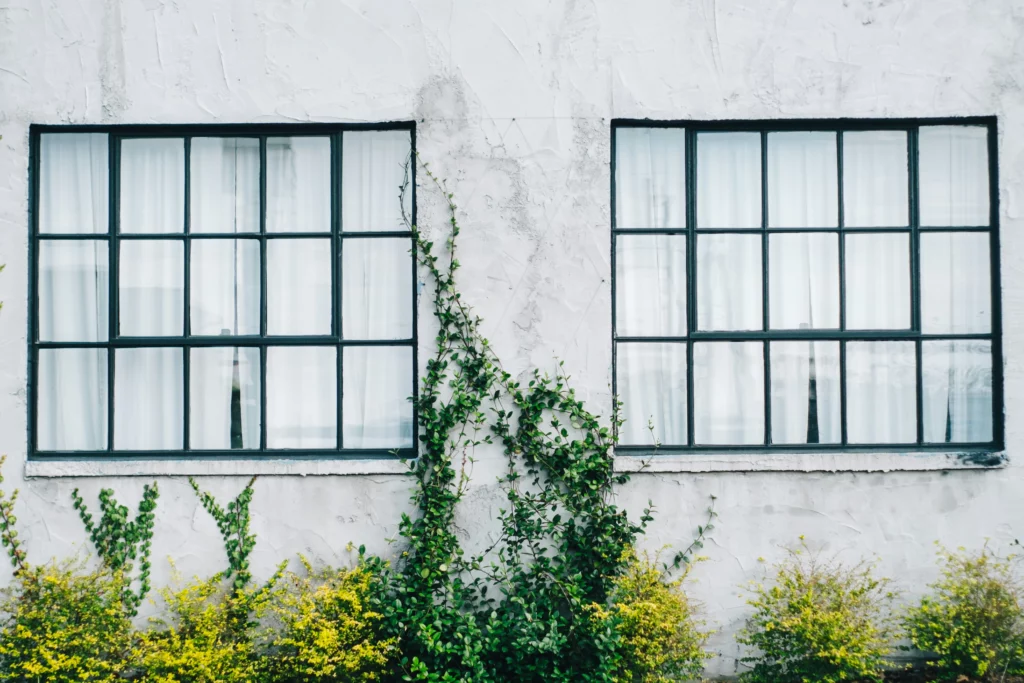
{"type": "Point", "coordinates": [813, 462]}
{"type": "Point", "coordinates": [221, 468]}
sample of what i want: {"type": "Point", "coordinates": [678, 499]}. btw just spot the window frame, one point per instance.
{"type": "Point", "coordinates": [766, 335]}
{"type": "Point", "coordinates": [263, 341]}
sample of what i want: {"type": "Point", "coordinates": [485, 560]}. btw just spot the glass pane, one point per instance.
{"type": "Point", "coordinates": [224, 397]}
{"type": "Point", "coordinates": [652, 388]}
{"type": "Point", "coordinates": [302, 397]}
{"type": "Point", "coordinates": [875, 182]}
{"type": "Point", "coordinates": [376, 288]}
{"type": "Point", "coordinates": [73, 173]}
{"type": "Point", "coordinates": [225, 288]}
{"type": "Point", "coordinates": [954, 175]}
{"type": "Point", "coordinates": [148, 399]}
{"type": "Point", "coordinates": [728, 393]}
{"type": "Point", "coordinates": [377, 410]}
{"type": "Point", "coordinates": [803, 281]}
{"type": "Point", "coordinates": [151, 288]}
{"type": "Point", "coordinates": [805, 392]}
{"type": "Point", "coordinates": [153, 185]}
{"type": "Point", "coordinates": [73, 289]}
{"type": "Point", "coordinates": [650, 178]}
{"type": "Point", "coordinates": [299, 286]}
{"type": "Point", "coordinates": [803, 180]}
{"type": "Point", "coordinates": [881, 392]}
{"type": "Point", "coordinates": [650, 285]}
{"type": "Point", "coordinates": [878, 282]}
{"type": "Point", "coordinates": [956, 284]}
{"type": "Point", "coordinates": [72, 395]}
{"type": "Point", "coordinates": [225, 177]}
{"type": "Point", "coordinates": [957, 391]}
{"type": "Point", "coordinates": [729, 180]}
{"type": "Point", "coordinates": [375, 168]}
{"type": "Point", "coordinates": [298, 184]}
{"type": "Point", "coordinates": [729, 282]}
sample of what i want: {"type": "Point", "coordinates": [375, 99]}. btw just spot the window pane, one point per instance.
{"type": "Point", "coordinates": [375, 167]}
{"type": "Point", "coordinates": [875, 182]}
{"type": "Point", "coordinates": [878, 282]}
{"type": "Point", "coordinates": [72, 395]}
{"type": "Point", "coordinates": [650, 285]}
{"type": "Point", "coordinates": [299, 286]}
{"type": "Point", "coordinates": [803, 285]}
{"type": "Point", "coordinates": [954, 175]}
{"type": "Point", "coordinates": [650, 178]}
{"type": "Point", "coordinates": [378, 384]}
{"type": "Point", "coordinates": [956, 287]}
{"type": "Point", "coordinates": [728, 393]}
{"type": "Point", "coordinates": [881, 392]}
{"type": "Point", "coordinates": [805, 392]}
{"type": "Point", "coordinates": [803, 180]}
{"type": "Point", "coordinates": [729, 282]}
{"type": "Point", "coordinates": [73, 290]}
{"type": "Point", "coordinates": [225, 288]}
{"type": "Point", "coordinates": [153, 185]}
{"type": "Point", "coordinates": [148, 398]}
{"type": "Point", "coordinates": [652, 388]}
{"type": "Point", "coordinates": [957, 391]}
{"type": "Point", "coordinates": [151, 288]}
{"type": "Point", "coordinates": [224, 397]}
{"type": "Point", "coordinates": [729, 180]}
{"type": "Point", "coordinates": [225, 177]}
{"type": "Point", "coordinates": [302, 397]}
{"type": "Point", "coordinates": [376, 288]}
{"type": "Point", "coordinates": [298, 184]}
{"type": "Point", "coordinates": [73, 173]}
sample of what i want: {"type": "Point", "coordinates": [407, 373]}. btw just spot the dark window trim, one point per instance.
{"type": "Point", "coordinates": [837, 125]}
{"type": "Point", "coordinates": [113, 237]}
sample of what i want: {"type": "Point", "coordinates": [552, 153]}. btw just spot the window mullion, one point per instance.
{"type": "Point", "coordinates": [915, 273]}
{"type": "Point", "coordinates": [187, 297]}
{"type": "Point", "coordinates": [263, 292]}
{"type": "Point", "coordinates": [337, 320]}
{"type": "Point", "coordinates": [691, 271]}
{"type": "Point", "coordinates": [113, 276]}
{"type": "Point", "coordinates": [764, 290]}
{"type": "Point", "coordinates": [841, 223]}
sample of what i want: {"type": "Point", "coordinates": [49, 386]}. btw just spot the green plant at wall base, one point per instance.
{"type": "Point", "coordinates": [818, 621]}
{"type": "Point", "coordinates": [972, 621]}
{"type": "Point", "coordinates": [119, 541]}
{"type": "Point", "coordinates": [8, 532]}
{"type": "Point", "coordinates": [233, 524]}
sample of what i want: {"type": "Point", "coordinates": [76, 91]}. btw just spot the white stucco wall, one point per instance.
{"type": "Point", "coordinates": [513, 102]}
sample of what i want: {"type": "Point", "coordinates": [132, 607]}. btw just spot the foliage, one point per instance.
{"type": "Point", "coordinates": [327, 629]}
{"type": "Point", "coordinates": [120, 541]}
{"type": "Point", "coordinates": [972, 622]}
{"type": "Point", "coordinates": [61, 623]}
{"type": "Point", "coordinates": [660, 638]}
{"type": "Point", "coordinates": [233, 525]}
{"type": "Point", "coordinates": [8, 532]}
{"type": "Point", "coordinates": [818, 622]}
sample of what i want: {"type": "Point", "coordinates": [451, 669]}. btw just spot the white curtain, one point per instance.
{"type": "Point", "coordinates": [72, 400]}
{"type": "Point", "coordinates": [729, 282]}
{"type": "Point", "coordinates": [73, 290]}
{"type": "Point", "coordinates": [652, 388]}
{"type": "Point", "coordinates": [375, 165]}
{"type": "Point", "coordinates": [805, 392]}
{"type": "Point", "coordinates": [224, 392]}
{"type": "Point", "coordinates": [954, 175]}
{"type": "Point", "coordinates": [803, 185]}
{"type": "Point", "coordinates": [650, 285]}
{"type": "Point", "coordinates": [376, 288]}
{"type": "Point", "coordinates": [148, 399]}
{"type": "Point", "coordinates": [650, 178]}
{"type": "Point", "coordinates": [302, 397]}
{"type": "Point", "coordinates": [378, 383]}
{"type": "Point", "coordinates": [225, 185]}
{"type": "Point", "coordinates": [299, 184]}
{"type": "Point", "coordinates": [881, 392]}
{"type": "Point", "coordinates": [956, 285]}
{"type": "Point", "coordinates": [875, 184]}
{"type": "Point", "coordinates": [803, 281]}
{"type": "Point", "coordinates": [728, 393]}
{"type": "Point", "coordinates": [729, 180]}
{"type": "Point", "coordinates": [957, 391]}
{"type": "Point", "coordinates": [151, 288]}
{"type": "Point", "coordinates": [298, 286]}
{"type": "Point", "coordinates": [153, 185]}
{"type": "Point", "coordinates": [878, 281]}
{"type": "Point", "coordinates": [73, 183]}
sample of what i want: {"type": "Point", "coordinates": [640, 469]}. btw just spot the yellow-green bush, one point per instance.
{"type": "Point", "coordinates": [660, 637]}
{"type": "Point", "coordinates": [327, 630]}
{"type": "Point", "coordinates": [818, 622]}
{"type": "Point", "coordinates": [972, 622]}
{"type": "Point", "coordinates": [63, 624]}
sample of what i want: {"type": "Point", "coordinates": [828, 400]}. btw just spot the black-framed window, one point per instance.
{"type": "Point", "coordinates": [222, 291]}
{"type": "Point", "coordinates": [806, 284]}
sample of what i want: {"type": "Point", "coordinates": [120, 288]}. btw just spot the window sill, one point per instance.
{"type": "Point", "coordinates": [866, 461]}
{"type": "Point", "coordinates": [212, 467]}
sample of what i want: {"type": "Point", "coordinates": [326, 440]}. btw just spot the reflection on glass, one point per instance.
{"type": "Point", "coordinates": [377, 410]}
{"type": "Point", "coordinates": [957, 391]}
{"type": "Point", "coordinates": [298, 286]}
{"type": "Point", "coordinates": [225, 288]}
{"type": "Point", "coordinates": [72, 400]}
{"type": "Point", "coordinates": [225, 178]}
{"type": "Point", "coordinates": [151, 288]}
{"type": "Point", "coordinates": [652, 388]}
{"type": "Point", "coordinates": [148, 399]}
{"type": "Point", "coordinates": [224, 393]}
{"type": "Point", "coordinates": [805, 392]}
{"type": "Point", "coordinates": [375, 168]}
{"type": "Point", "coordinates": [152, 185]}
{"type": "Point", "coordinates": [729, 282]}
{"type": "Point", "coordinates": [650, 178]}
{"type": "Point", "coordinates": [73, 196]}
{"type": "Point", "coordinates": [803, 180]}
{"type": "Point", "coordinates": [875, 186]}
{"type": "Point", "coordinates": [803, 281]}
{"type": "Point", "coordinates": [956, 294]}
{"type": "Point", "coordinates": [728, 393]}
{"type": "Point", "coordinates": [302, 397]}
{"type": "Point", "coordinates": [376, 288]}
{"type": "Point", "coordinates": [729, 180]}
{"type": "Point", "coordinates": [299, 184]}
{"type": "Point", "coordinates": [73, 290]}
{"type": "Point", "coordinates": [954, 175]}
{"type": "Point", "coordinates": [881, 392]}
{"type": "Point", "coordinates": [878, 281]}
{"type": "Point", "coordinates": [650, 285]}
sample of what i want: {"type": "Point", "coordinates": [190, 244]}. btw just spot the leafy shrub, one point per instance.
{"type": "Point", "coordinates": [972, 622]}
{"type": "Point", "coordinates": [327, 628]}
{"type": "Point", "coordinates": [61, 623]}
{"type": "Point", "coordinates": [818, 622]}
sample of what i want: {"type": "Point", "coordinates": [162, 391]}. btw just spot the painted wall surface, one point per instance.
{"type": "Point", "coordinates": [513, 102]}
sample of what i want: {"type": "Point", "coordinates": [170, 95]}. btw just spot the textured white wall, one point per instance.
{"type": "Point", "coordinates": [513, 102]}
